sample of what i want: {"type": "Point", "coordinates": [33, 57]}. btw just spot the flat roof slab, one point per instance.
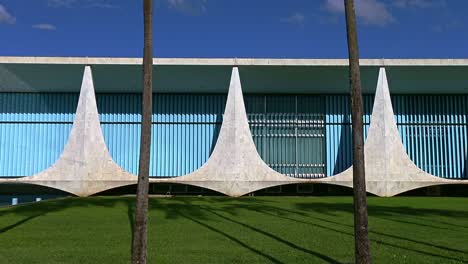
{"type": "Point", "coordinates": [204, 75]}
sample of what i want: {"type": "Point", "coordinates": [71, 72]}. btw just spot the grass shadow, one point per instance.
{"type": "Point", "coordinates": [274, 237]}
{"type": "Point", "coordinates": [12, 226]}
{"type": "Point", "coordinates": [320, 215]}
{"type": "Point", "coordinates": [233, 239]}
{"type": "Point", "coordinates": [131, 219]}
{"type": "Point", "coordinates": [283, 213]}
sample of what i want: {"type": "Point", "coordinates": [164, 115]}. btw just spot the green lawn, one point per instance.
{"type": "Point", "coordinates": [243, 230]}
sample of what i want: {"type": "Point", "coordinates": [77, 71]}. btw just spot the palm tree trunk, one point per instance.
{"type": "Point", "coordinates": [140, 232]}
{"type": "Point", "coordinates": [361, 239]}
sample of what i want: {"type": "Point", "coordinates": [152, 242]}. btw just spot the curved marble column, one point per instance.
{"type": "Point", "coordinates": [234, 168]}
{"type": "Point", "coordinates": [85, 166]}
{"type": "Point", "coordinates": [389, 169]}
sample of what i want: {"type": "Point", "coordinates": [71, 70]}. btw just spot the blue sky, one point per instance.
{"type": "Point", "coordinates": [234, 28]}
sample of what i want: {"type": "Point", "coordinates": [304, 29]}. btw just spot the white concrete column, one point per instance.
{"type": "Point", "coordinates": [389, 170]}
{"type": "Point", "coordinates": [85, 166]}
{"type": "Point", "coordinates": [234, 168]}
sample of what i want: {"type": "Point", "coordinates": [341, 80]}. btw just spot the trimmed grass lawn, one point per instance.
{"type": "Point", "coordinates": [229, 230]}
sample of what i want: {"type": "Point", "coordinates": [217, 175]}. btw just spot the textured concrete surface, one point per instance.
{"type": "Point", "coordinates": [389, 169]}
{"type": "Point", "coordinates": [234, 168]}
{"type": "Point", "coordinates": [85, 166]}
{"type": "Point", "coordinates": [231, 61]}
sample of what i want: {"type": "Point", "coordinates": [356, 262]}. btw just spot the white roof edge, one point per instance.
{"type": "Point", "coordinates": [231, 61]}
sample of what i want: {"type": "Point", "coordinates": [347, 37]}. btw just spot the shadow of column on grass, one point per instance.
{"type": "Point", "coordinates": [277, 238]}
{"type": "Point", "coordinates": [30, 212]}
{"type": "Point", "coordinates": [271, 208]}
{"type": "Point", "coordinates": [12, 226]}
{"type": "Point", "coordinates": [316, 214]}
{"type": "Point", "coordinates": [244, 245]}
{"type": "Point", "coordinates": [383, 212]}
{"type": "Point", "coordinates": [331, 209]}
{"type": "Point", "coordinates": [131, 219]}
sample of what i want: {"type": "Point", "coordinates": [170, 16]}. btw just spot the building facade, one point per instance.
{"type": "Point", "coordinates": [227, 121]}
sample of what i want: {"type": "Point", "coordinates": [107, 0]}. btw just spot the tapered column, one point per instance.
{"type": "Point", "coordinates": [389, 169]}
{"type": "Point", "coordinates": [234, 168]}
{"type": "Point", "coordinates": [85, 166]}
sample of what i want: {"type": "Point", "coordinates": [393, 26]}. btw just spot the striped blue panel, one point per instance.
{"type": "Point", "coordinates": [34, 128]}
{"type": "Point", "coordinates": [311, 157]}
{"type": "Point", "coordinates": [288, 132]}
{"type": "Point", "coordinates": [184, 132]}
{"type": "Point", "coordinates": [339, 154]}
{"type": "Point", "coordinates": [434, 132]}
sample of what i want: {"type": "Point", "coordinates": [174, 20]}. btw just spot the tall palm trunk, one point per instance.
{"type": "Point", "coordinates": [361, 239]}
{"type": "Point", "coordinates": [140, 232]}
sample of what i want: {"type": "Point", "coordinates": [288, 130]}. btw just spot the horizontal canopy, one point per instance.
{"type": "Point", "coordinates": [271, 76]}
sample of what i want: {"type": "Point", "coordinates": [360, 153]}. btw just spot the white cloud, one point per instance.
{"type": "Point", "coordinates": [452, 24]}
{"type": "Point", "coordinates": [419, 3]}
{"type": "Point", "coordinates": [192, 7]}
{"type": "Point", "coordinates": [102, 5]}
{"type": "Point", "coordinates": [48, 27]}
{"type": "Point", "coordinates": [370, 12]}
{"type": "Point", "coordinates": [61, 3]}
{"type": "Point", "coordinates": [295, 18]}
{"type": "Point", "coordinates": [334, 5]}
{"type": "Point", "coordinates": [81, 3]}
{"type": "Point", "coordinates": [5, 17]}
{"type": "Point", "coordinates": [447, 20]}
